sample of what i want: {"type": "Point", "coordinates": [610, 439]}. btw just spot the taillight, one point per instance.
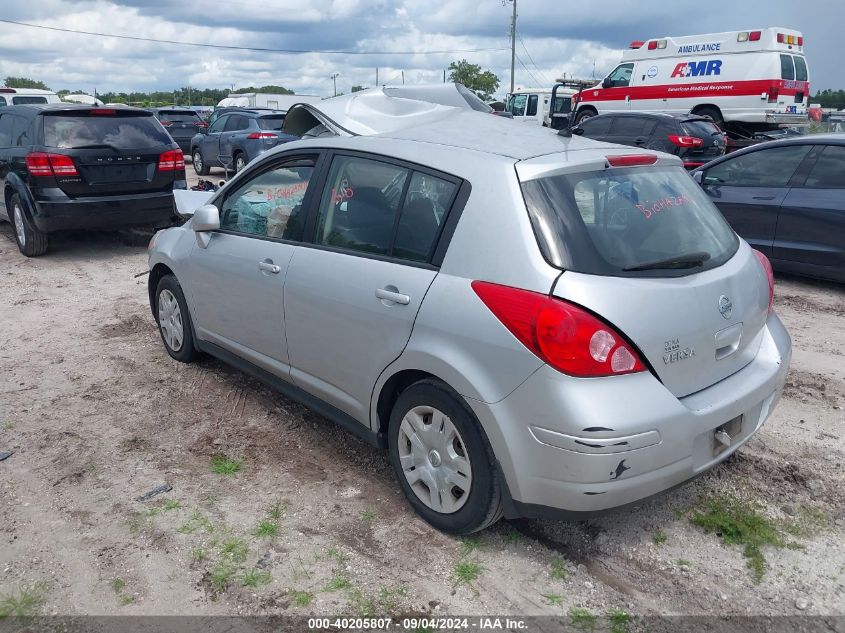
{"type": "Point", "coordinates": [166, 123]}
{"type": "Point", "coordinates": [631, 160]}
{"type": "Point", "coordinates": [255, 135]}
{"type": "Point", "coordinates": [171, 160]}
{"type": "Point", "coordinates": [44, 164]}
{"type": "Point", "coordinates": [770, 276]}
{"type": "Point", "coordinates": [202, 124]}
{"type": "Point", "coordinates": [567, 337]}
{"type": "Point", "coordinates": [686, 141]}
{"type": "Point", "coordinates": [773, 94]}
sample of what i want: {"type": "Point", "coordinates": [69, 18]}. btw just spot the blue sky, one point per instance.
{"type": "Point", "coordinates": [554, 38]}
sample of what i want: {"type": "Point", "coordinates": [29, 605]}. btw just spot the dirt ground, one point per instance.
{"type": "Point", "coordinates": [96, 414]}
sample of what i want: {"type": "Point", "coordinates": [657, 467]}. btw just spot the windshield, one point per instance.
{"type": "Point", "coordinates": [270, 122]}
{"type": "Point", "coordinates": [120, 132]}
{"type": "Point", "coordinates": [628, 222]}
{"type": "Point", "coordinates": [179, 117]}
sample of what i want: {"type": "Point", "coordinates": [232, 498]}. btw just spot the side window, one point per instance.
{"type": "Point", "coordinates": [236, 122]}
{"type": "Point", "coordinates": [3, 102]}
{"type": "Point", "coordinates": [217, 126]}
{"type": "Point", "coordinates": [828, 170]}
{"type": "Point", "coordinates": [270, 204]}
{"type": "Point", "coordinates": [6, 130]}
{"type": "Point", "coordinates": [800, 69]}
{"type": "Point", "coordinates": [20, 132]}
{"type": "Point", "coordinates": [772, 167]}
{"type": "Point", "coordinates": [532, 105]}
{"type": "Point", "coordinates": [359, 205]}
{"type": "Point", "coordinates": [422, 215]}
{"type": "Point", "coordinates": [630, 126]}
{"type": "Point", "coordinates": [621, 76]}
{"type": "Point", "coordinates": [517, 103]}
{"type": "Point", "coordinates": [787, 70]}
{"type": "Point", "coordinates": [597, 125]}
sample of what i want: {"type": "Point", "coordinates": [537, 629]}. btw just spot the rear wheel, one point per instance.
{"type": "Point", "coordinates": [174, 320]}
{"type": "Point", "coordinates": [442, 459]}
{"type": "Point", "coordinates": [585, 114]}
{"type": "Point", "coordinates": [31, 241]}
{"type": "Point", "coordinates": [199, 164]}
{"type": "Point", "coordinates": [712, 112]}
{"type": "Point", "coordinates": [240, 162]}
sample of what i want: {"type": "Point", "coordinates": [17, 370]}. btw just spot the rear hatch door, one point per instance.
{"type": "Point", "coordinates": [115, 151]}
{"type": "Point", "coordinates": [270, 126]}
{"type": "Point", "coordinates": [713, 140]}
{"type": "Point", "coordinates": [644, 248]}
{"type": "Point", "coordinates": [181, 124]}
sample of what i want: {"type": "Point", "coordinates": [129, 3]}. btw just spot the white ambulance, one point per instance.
{"type": "Point", "coordinates": [746, 81]}
{"type": "Point", "coordinates": [532, 105]}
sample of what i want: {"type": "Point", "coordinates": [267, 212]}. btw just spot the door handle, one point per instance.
{"type": "Point", "coordinates": [385, 294]}
{"type": "Point", "coordinates": [762, 197]}
{"type": "Point", "coordinates": [269, 267]}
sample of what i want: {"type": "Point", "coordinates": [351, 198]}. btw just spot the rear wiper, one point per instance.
{"type": "Point", "coordinates": [97, 146]}
{"type": "Point", "coordinates": [682, 261]}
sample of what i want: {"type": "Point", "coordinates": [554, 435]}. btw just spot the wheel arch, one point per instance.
{"type": "Point", "coordinates": [707, 106]}
{"type": "Point", "coordinates": [16, 185]}
{"type": "Point", "coordinates": [392, 389]}
{"type": "Point", "coordinates": [157, 272]}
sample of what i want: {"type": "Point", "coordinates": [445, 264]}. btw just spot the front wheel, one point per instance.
{"type": "Point", "coordinates": [584, 115]}
{"type": "Point", "coordinates": [174, 320]}
{"type": "Point", "coordinates": [31, 242]}
{"type": "Point", "coordinates": [240, 163]}
{"type": "Point", "coordinates": [442, 459]}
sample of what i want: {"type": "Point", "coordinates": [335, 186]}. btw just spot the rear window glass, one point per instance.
{"type": "Point", "coordinates": [787, 70]}
{"type": "Point", "coordinates": [26, 100]}
{"type": "Point", "coordinates": [122, 132]}
{"type": "Point", "coordinates": [701, 129]}
{"type": "Point", "coordinates": [270, 122]}
{"type": "Point", "coordinates": [800, 69]}
{"type": "Point", "coordinates": [179, 117]}
{"type": "Point", "coordinates": [615, 221]}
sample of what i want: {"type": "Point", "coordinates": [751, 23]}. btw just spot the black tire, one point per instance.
{"type": "Point", "coordinates": [186, 352]}
{"type": "Point", "coordinates": [483, 505]}
{"type": "Point", "coordinates": [713, 113]}
{"type": "Point", "coordinates": [239, 162]}
{"type": "Point", "coordinates": [31, 242]}
{"type": "Point", "coordinates": [200, 167]}
{"type": "Point", "coordinates": [585, 114]}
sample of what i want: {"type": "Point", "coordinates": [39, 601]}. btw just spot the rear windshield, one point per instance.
{"type": "Point", "coordinates": [628, 222]}
{"type": "Point", "coordinates": [179, 117]}
{"type": "Point", "coordinates": [800, 68]}
{"type": "Point", "coordinates": [270, 122]}
{"type": "Point", "coordinates": [701, 129]}
{"type": "Point", "coordinates": [121, 132]}
{"type": "Point", "coordinates": [27, 100]}
{"type": "Point", "coordinates": [787, 69]}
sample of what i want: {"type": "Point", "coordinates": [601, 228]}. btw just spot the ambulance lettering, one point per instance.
{"type": "Point", "coordinates": [698, 69]}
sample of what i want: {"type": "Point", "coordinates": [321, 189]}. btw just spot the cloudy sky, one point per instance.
{"type": "Point", "coordinates": [555, 37]}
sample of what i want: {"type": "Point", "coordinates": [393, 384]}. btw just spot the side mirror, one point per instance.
{"type": "Point", "coordinates": [607, 83]}
{"type": "Point", "coordinates": [698, 176]}
{"type": "Point", "coordinates": [206, 218]}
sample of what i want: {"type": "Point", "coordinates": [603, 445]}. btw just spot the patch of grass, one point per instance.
{"type": "Point", "coordinates": [553, 598]}
{"type": "Point", "coordinates": [276, 511]}
{"type": "Point", "coordinates": [368, 515]}
{"type": "Point", "coordinates": [199, 554]}
{"type": "Point", "coordinates": [338, 582]}
{"type": "Point", "coordinates": [582, 619]}
{"type": "Point", "coordinates": [151, 512]}
{"type": "Point", "coordinates": [117, 584]}
{"type": "Point", "coordinates": [465, 572]}
{"type": "Point", "coordinates": [809, 522]}
{"type": "Point", "coordinates": [384, 602]}
{"type": "Point", "coordinates": [302, 598]}
{"type": "Point", "coordinates": [256, 577]}
{"type": "Point", "coordinates": [171, 504]}
{"type": "Point", "coordinates": [738, 522]}
{"type": "Point", "coordinates": [514, 536]}
{"type": "Point", "coordinates": [658, 538]}
{"type": "Point", "coordinates": [796, 546]}
{"type": "Point", "coordinates": [223, 465]}
{"type": "Point", "coordinates": [221, 575]}
{"type": "Point", "coordinates": [234, 549]}
{"type": "Point", "coordinates": [25, 603]}
{"type": "Point", "coordinates": [469, 544]}
{"type": "Point", "coordinates": [683, 561]}
{"type": "Point", "coordinates": [266, 528]}
{"type": "Point", "coordinates": [125, 599]}
{"type": "Point", "coordinates": [557, 569]}
{"type": "Point", "coordinates": [338, 556]}
{"type": "Point", "coordinates": [198, 521]}
{"type": "Point", "coordinates": [8, 426]}
{"type": "Point", "coordinates": [620, 621]}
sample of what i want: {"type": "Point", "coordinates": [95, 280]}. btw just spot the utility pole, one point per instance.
{"type": "Point", "coordinates": [444, 75]}
{"type": "Point", "coordinates": [376, 76]}
{"type": "Point", "coordinates": [334, 81]}
{"type": "Point", "coordinates": [513, 45]}
{"type": "Point", "coordinates": [403, 77]}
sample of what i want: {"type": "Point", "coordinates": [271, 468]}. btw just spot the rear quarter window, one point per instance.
{"type": "Point", "coordinates": [122, 132]}
{"type": "Point", "coordinates": [26, 100]}
{"type": "Point", "coordinates": [612, 221]}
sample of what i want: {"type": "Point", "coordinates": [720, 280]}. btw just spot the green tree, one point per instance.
{"type": "Point", "coordinates": [830, 99]}
{"type": "Point", "coordinates": [358, 88]}
{"type": "Point", "coordinates": [482, 83]}
{"type": "Point", "coordinates": [274, 90]}
{"type": "Point", "coordinates": [25, 82]}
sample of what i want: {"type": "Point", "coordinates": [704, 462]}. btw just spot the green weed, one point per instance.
{"type": "Point", "coordinates": [582, 619]}
{"type": "Point", "coordinates": [223, 465]}
{"type": "Point", "coordinates": [658, 538]}
{"type": "Point", "coordinates": [256, 577]}
{"type": "Point", "coordinates": [465, 572]}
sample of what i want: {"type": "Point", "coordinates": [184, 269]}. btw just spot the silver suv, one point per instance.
{"type": "Point", "coordinates": [530, 324]}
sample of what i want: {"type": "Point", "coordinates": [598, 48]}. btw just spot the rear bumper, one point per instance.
{"type": "Point", "coordinates": [574, 446]}
{"type": "Point", "coordinates": [55, 214]}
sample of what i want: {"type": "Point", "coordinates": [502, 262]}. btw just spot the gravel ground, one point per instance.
{"type": "Point", "coordinates": [96, 414]}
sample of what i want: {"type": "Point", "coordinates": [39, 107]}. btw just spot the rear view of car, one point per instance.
{"type": "Point", "coordinates": [87, 168]}
{"type": "Point", "coordinates": [182, 124]}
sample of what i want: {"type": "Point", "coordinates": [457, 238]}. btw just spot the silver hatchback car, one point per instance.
{"type": "Point", "coordinates": [531, 324]}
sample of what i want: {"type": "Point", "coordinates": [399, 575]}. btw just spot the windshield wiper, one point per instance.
{"type": "Point", "coordinates": [97, 146]}
{"type": "Point", "coordinates": [682, 261]}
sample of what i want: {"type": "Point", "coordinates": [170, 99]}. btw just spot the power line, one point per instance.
{"type": "Point", "coordinates": [533, 63]}
{"type": "Point", "coordinates": [292, 51]}
{"type": "Point", "coordinates": [521, 63]}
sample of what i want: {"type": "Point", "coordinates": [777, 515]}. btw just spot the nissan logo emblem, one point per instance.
{"type": "Point", "coordinates": [725, 307]}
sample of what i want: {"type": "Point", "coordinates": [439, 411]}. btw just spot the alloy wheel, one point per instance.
{"type": "Point", "coordinates": [19, 227]}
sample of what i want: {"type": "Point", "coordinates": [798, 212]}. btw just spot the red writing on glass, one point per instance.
{"type": "Point", "coordinates": [661, 205]}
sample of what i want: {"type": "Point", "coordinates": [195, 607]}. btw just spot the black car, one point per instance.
{"type": "Point", "coordinates": [75, 167]}
{"type": "Point", "coordinates": [787, 199]}
{"type": "Point", "coordinates": [237, 137]}
{"type": "Point", "coordinates": [695, 139]}
{"type": "Point", "coordinates": [182, 124]}
{"type": "Point", "coordinates": [218, 112]}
